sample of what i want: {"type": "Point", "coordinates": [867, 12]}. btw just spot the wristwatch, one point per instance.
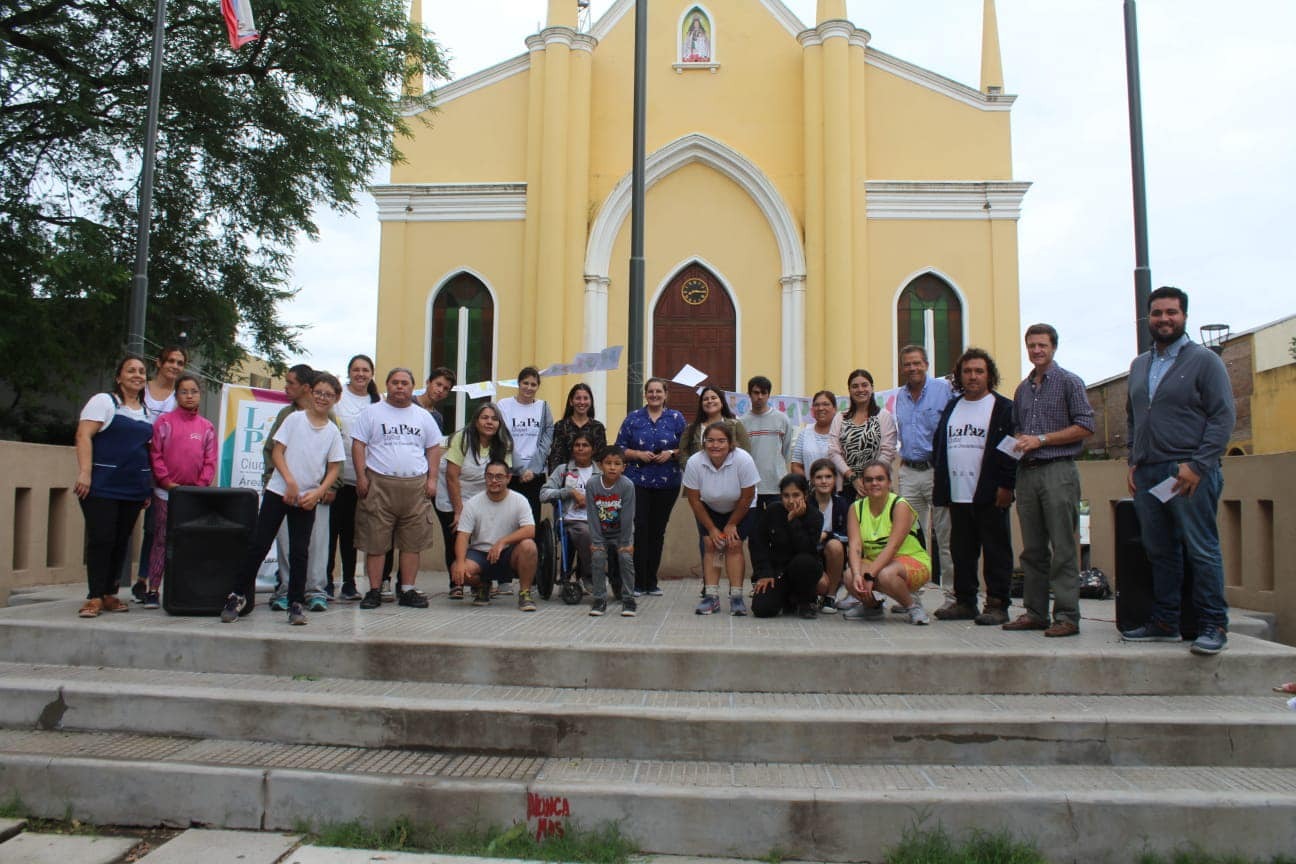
{"type": "Point", "coordinates": [1042, 439]}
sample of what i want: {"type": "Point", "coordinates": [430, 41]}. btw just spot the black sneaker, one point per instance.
{"type": "Point", "coordinates": [412, 597]}
{"type": "Point", "coordinates": [372, 599]}
{"type": "Point", "coordinates": [296, 615]}
{"type": "Point", "coordinates": [350, 595]}
{"type": "Point", "coordinates": [481, 594]}
{"type": "Point", "coordinates": [807, 610]}
{"type": "Point", "coordinates": [629, 608]}
{"type": "Point", "coordinates": [152, 601]}
{"type": "Point", "coordinates": [328, 591]}
{"type": "Point", "coordinates": [139, 591]}
{"type": "Point", "coordinates": [230, 613]}
{"type": "Point", "coordinates": [598, 608]}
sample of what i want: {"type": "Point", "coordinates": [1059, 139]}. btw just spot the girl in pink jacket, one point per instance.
{"type": "Point", "coordinates": [183, 454]}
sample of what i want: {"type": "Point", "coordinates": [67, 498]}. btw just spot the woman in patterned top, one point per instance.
{"type": "Point", "coordinates": [861, 434]}
{"type": "Point", "coordinates": [578, 416]}
{"type": "Point", "coordinates": [650, 438]}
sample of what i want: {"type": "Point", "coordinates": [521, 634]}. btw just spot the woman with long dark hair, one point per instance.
{"type": "Point", "coordinates": [864, 432]}
{"type": "Point", "coordinates": [359, 393]}
{"type": "Point", "coordinates": [712, 407]}
{"type": "Point", "coordinates": [114, 479]}
{"type": "Point", "coordinates": [577, 417]}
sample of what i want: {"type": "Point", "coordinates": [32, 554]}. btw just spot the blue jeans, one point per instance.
{"type": "Point", "coordinates": [1184, 525]}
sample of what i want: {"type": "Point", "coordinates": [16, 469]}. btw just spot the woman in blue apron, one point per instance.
{"type": "Point", "coordinates": [114, 480]}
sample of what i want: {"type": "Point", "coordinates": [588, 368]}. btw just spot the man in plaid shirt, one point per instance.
{"type": "Point", "coordinates": [1053, 420]}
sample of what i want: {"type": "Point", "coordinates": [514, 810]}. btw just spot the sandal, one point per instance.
{"type": "Point", "coordinates": [495, 591]}
{"type": "Point", "coordinates": [456, 593]}
{"type": "Point", "coordinates": [1289, 688]}
{"type": "Point", "coordinates": [92, 608]}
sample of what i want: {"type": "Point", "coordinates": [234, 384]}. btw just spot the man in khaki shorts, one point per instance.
{"type": "Point", "coordinates": [396, 447]}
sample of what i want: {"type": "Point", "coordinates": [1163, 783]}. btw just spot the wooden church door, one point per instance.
{"type": "Point", "coordinates": [694, 322]}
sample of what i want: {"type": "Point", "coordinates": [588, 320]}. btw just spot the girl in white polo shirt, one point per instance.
{"type": "Point", "coordinates": [720, 485]}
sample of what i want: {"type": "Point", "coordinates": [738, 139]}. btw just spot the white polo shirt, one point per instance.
{"type": "Point", "coordinates": [720, 488]}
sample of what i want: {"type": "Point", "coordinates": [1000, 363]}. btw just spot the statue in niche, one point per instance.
{"type": "Point", "coordinates": [697, 39]}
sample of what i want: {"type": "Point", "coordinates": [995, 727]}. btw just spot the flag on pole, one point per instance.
{"type": "Point", "coordinates": [238, 20]}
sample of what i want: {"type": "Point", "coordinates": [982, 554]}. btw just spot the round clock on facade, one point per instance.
{"type": "Point", "coordinates": [695, 292]}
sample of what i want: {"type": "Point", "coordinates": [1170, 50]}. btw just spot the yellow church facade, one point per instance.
{"type": "Point", "coordinates": [812, 205]}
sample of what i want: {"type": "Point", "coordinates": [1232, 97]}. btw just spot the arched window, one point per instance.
{"type": "Point", "coordinates": [463, 305]}
{"type": "Point", "coordinates": [929, 314]}
{"type": "Point", "coordinates": [697, 37]}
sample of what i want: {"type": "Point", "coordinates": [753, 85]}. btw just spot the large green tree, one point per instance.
{"type": "Point", "coordinates": [250, 143]}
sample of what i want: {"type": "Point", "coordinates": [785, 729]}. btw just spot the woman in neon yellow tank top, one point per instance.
{"type": "Point", "coordinates": [885, 549]}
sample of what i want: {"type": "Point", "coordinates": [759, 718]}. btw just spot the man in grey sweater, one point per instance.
{"type": "Point", "coordinates": [1180, 415]}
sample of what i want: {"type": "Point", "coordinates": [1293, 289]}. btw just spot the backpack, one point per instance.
{"type": "Point", "coordinates": [915, 530]}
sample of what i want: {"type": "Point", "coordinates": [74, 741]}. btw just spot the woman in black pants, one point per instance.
{"type": "Point", "coordinates": [360, 392]}
{"type": "Point", "coordinates": [785, 552]}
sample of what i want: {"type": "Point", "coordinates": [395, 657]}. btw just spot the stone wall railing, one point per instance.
{"type": "Point", "coordinates": [42, 534]}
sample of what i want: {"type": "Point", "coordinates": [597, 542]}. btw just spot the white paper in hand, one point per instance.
{"type": "Point", "coordinates": [1164, 490]}
{"type": "Point", "coordinates": [689, 377]}
{"type": "Point", "coordinates": [1006, 447]}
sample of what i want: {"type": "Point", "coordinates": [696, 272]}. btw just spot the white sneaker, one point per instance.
{"type": "Point", "coordinates": [917, 614]}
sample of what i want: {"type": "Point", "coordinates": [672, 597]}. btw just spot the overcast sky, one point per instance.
{"type": "Point", "coordinates": [1221, 162]}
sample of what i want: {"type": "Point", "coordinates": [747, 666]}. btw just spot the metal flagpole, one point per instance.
{"type": "Point", "coordinates": [1142, 270]}
{"type": "Point", "coordinates": [139, 286]}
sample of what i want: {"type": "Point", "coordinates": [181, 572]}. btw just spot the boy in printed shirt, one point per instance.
{"type": "Point", "coordinates": [610, 501]}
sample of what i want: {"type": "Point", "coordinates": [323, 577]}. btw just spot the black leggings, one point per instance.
{"type": "Point", "coordinates": [448, 536]}
{"type": "Point", "coordinates": [796, 584]}
{"type": "Point", "coordinates": [108, 527]}
{"type": "Point", "coordinates": [300, 523]}
{"type": "Point", "coordinates": [342, 535]}
{"type": "Point", "coordinates": [531, 491]}
{"type": "Point", "coordinates": [652, 515]}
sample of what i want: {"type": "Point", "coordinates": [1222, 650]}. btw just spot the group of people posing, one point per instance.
{"type": "Point", "coordinates": [819, 508]}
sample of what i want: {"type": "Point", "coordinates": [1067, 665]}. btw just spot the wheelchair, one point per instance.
{"type": "Point", "coordinates": [556, 567]}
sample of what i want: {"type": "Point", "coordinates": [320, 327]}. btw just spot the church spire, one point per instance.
{"type": "Point", "coordinates": [831, 10]}
{"type": "Point", "coordinates": [414, 86]}
{"type": "Point", "coordinates": [992, 82]}
{"type": "Point", "coordinates": [562, 13]}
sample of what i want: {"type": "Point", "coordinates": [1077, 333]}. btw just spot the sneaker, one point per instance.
{"type": "Point", "coordinates": [827, 606]}
{"type": "Point", "coordinates": [350, 595]}
{"type": "Point", "coordinates": [709, 606]}
{"type": "Point", "coordinates": [956, 611]}
{"type": "Point", "coordinates": [639, 593]}
{"type": "Point", "coordinates": [847, 602]}
{"type": "Point", "coordinates": [737, 605]}
{"type": "Point", "coordinates": [587, 586]}
{"type": "Point", "coordinates": [91, 608]}
{"type": "Point", "coordinates": [139, 591]}
{"type": "Point", "coordinates": [1211, 640]}
{"type": "Point", "coordinates": [112, 604]}
{"type": "Point", "coordinates": [386, 591]}
{"type": "Point", "coordinates": [455, 592]}
{"type": "Point", "coordinates": [230, 613]}
{"type": "Point", "coordinates": [296, 615]}
{"type": "Point", "coordinates": [525, 603]}
{"type": "Point", "coordinates": [599, 607]}
{"type": "Point", "coordinates": [413, 598]}
{"type": "Point", "coordinates": [482, 595]}
{"type": "Point", "coordinates": [329, 592]}
{"type": "Point", "coordinates": [152, 600]}
{"type": "Point", "coordinates": [897, 609]}
{"type": "Point", "coordinates": [372, 599]}
{"type": "Point", "coordinates": [279, 604]}
{"type": "Point", "coordinates": [317, 604]}
{"type": "Point", "coordinates": [505, 588]}
{"type": "Point", "coordinates": [653, 592]}
{"type": "Point", "coordinates": [629, 608]}
{"type": "Point", "coordinates": [1150, 632]}
{"type": "Point", "coordinates": [865, 613]}
{"type": "Point", "coordinates": [807, 611]}
{"type": "Point", "coordinates": [917, 614]}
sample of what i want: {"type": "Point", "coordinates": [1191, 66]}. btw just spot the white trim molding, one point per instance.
{"type": "Point", "coordinates": [450, 202]}
{"type": "Point", "coordinates": [476, 81]}
{"type": "Point", "coordinates": [722, 158]}
{"type": "Point", "coordinates": [782, 14]}
{"type": "Point", "coordinates": [939, 83]}
{"type": "Point", "coordinates": [594, 335]}
{"type": "Point", "coordinates": [895, 332]}
{"type": "Point", "coordinates": [679, 64]}
{"type": "Point", "coordinates": [946, 199]}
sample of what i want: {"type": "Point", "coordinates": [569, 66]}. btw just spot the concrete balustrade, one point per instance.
{"type": "Point", "coordinates": [43, 532]}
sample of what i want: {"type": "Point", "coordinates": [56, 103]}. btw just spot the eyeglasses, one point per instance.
{"type": "Point", "coordinates": [498, 478]}
{"type": "Point", "coordinates": [322, 394]}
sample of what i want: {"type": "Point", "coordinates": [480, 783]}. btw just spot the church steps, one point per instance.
{"type": "Point", "coordinates": [716, 808]}
{"type": "Point", "coordinates": [594, 723]}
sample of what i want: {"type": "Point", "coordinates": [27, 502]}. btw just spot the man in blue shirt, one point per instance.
{"type": "Point", "coordinates": [918, 408]}
{"type": "Point", "coordinates": [1180, 414]}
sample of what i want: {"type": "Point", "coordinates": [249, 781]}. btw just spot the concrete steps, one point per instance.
{"type": "Point", "coordinates": [591, 723]}
{"type": "Point", "coordinates": [810, 812]}
{"type": "Point", "coordinates": [703, 736]}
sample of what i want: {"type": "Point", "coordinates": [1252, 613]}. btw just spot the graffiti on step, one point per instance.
{"type": "Point", "coordinates": [547, 814]}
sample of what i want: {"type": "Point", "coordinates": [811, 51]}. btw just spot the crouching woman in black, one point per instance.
{"type": "Point", "coordinates": [785, 552]}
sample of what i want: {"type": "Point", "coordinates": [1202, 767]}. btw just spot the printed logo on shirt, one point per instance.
{"type": "Point", "coordinates": [400, 429]}
{"type": "Point", "coordinates": [608, 508]}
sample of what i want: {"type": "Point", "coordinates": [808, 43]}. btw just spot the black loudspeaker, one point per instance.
{"type": "Point", "coordinates": [208, 532]}
{"type": "Point", "coordinates": [1134, 596]}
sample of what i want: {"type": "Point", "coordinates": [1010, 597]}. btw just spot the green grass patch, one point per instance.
{"type": "Point", "coordinates": [1194, 855]}
{"type": "Point", "coordinates": [936, 846]}
{"type": "Point", "coordinates": [604, 845]}
{"type": "Point", "coordinates": [12, 807]}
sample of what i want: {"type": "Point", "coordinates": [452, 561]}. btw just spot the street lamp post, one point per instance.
{"type": "Point", "coordinates": [139, 285]}
{"type": "Point", "coordinates": [635, 338]}
{"type": "Point", "coordinates": [1142, 270]}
